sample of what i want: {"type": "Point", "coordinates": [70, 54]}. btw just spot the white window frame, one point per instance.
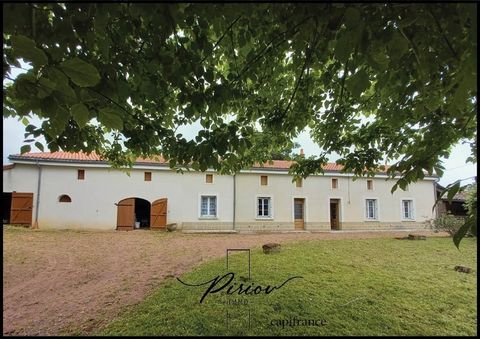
{"type": "Point", "coordinates": [261, 217]}
{"type": "Point", "coordinates": [377, 210]}
{"type": "Point", "coordinates": [412, 207]}
{"type": "Point", "coordinates": [210, 217]}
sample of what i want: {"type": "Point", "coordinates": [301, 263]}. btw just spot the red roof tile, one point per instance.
{"type": "Point", "coordinates": [92, 157]}
{"type": "Point", "coordinates": [78, 156]}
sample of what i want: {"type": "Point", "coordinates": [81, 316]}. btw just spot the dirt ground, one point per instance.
{"type": "Point", "coordinates": [75, 282]}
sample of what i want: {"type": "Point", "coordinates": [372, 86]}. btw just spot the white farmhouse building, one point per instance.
{"type": "Point", "coordinates": [80, 191]}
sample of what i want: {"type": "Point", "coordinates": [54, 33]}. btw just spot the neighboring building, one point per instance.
{"type": "Point", "coordinates": [76, 190]}
{"type": "Point", "coordinates": [455, 207]}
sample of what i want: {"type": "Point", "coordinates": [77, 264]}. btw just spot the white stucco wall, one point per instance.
{"type": "Point", "coordinates": [93, 199]}
{"type": "Point", "coordinates": [317, 192]}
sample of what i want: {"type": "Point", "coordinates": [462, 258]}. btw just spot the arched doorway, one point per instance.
{"type": "Point", "coordinates": [133, 213]}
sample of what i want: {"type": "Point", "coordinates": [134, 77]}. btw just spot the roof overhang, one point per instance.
{"type": "Point", "coordinates": [166, 167]}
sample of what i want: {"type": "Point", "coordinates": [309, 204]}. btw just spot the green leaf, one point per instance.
{"type": "Point", "coordinates": [80, 114]}
{"type": "Point", "coordinates": [358, 83]}
{"type": "Point", "coordinates": [397, 46]}
{"type": "Point", "coordinates": [80, 72]}
{"type": "Point", "coordinates": [343, 48]}
{"type": "Point", "coordinates": [452, 191]}
{"type": "Point", "coordinates": [39, 146]}
{"type": "Point", "coordinates": [25, 121]}
{"type": "Point", "coordinates": [352, 18]}
{"type": "Point", "coordinates": [463, 230]}
{"type": "Point", "coordinates": [111, 118]}
{"type": "Point", "coordinates": [25, 48]}
{"type": "Point", "coordinates": [25, 149]}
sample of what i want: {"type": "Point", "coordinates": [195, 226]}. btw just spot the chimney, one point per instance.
{"type": "Point", "coordinates": [301, 153]}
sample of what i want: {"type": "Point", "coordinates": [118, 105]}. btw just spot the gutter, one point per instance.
{"type": "Point", "coordinates": [37, 204]}
{"type": "Point", "coordinates": [234, 198]}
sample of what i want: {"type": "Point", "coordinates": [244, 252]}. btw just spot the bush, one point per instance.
{"type": "Point", "coordinates": [447, 223]}
{"type": "Point", "coordinates": [471, 200]}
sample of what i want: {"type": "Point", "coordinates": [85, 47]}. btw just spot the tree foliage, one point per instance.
{"type": "Point", "coordinates": [371, 81]}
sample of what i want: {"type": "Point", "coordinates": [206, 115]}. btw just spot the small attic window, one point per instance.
{"type": "Point", "coordinates": [64, 198]}
{"type": "Point", "coordinates": [147, 176]}
{"type": "Point", "coordinates": [81, 174]}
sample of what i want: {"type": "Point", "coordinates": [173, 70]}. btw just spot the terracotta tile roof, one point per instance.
{"type": "Point", "coordinates": [78, 156]}
{"type": "Point", "coordinates": [285, 164]}
{"type": "Point", "coordinates": [93, 157]}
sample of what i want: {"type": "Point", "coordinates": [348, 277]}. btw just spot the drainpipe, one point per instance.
{"type": "Point", "coordinates": [35, 225]}
{"type": "Point", "coordinates": [234, 196]}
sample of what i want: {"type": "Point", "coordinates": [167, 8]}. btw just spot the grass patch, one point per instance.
{"type": "Point", "coordinates": [351, 287]}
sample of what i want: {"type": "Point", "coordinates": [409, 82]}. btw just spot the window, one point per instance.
{"type": "Point", "coordinates": [208, 206]}
{"type": "Point", "coordinates": [407, 209]}
{"type": "Point", "coordinates": [209, 178]}
{"type": "Point", "coordinates": [264, 180]}
{"type": "Point", "coordinates": [369, 184]}
{"type": "Point", "coordinates": [334, 183]}
{"type": "Point", "coordinates": [148, 176]}
{"type": "Point", "coordinates": [299, 182]}
{"type": "Point", "coordinates": [81, 174]}
{"type": "Point", "coordinates": [264, 209]}
{"type": "Point", "coordinates": [64, 198]}
{"type": "Point", "coordinates": [371, 209]}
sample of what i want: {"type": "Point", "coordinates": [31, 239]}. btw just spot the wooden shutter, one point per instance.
{"type": "Point", "coordinates": [126, 214]}
{"type": "Point", "coordinates": [264, 180]}
{"type": "Point", "coordinates": [334, 183]}
{"type": "Point", "coordinates": [148, 176]}
{"type": "Point", "coordinates": [209, 178]}
{"type": "Point", "coordinates": [369, 184]}
{"type": "Point", "coordinates": [299, 182]}
{"type": "Point", "coordinates": [21, 208]}
{"type": "Point", "coordinates": [158, 214]}
{"type": "Point", "coordinates": [81, 174]}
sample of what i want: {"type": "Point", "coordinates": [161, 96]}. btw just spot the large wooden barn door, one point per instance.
{"type": "Point", "coordinates": [126, 214]}
{"type": "Point", "coordinates": [158, 214]}
{"type": "Point", "coordinates": [21, 208]}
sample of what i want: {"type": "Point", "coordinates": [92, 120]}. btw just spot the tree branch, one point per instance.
{"type": "Point", "coordinates": [266, 49]}
{"type": "Point", "coordinates": [221, 38]}
{"type": "Point", "coordinates": [443, 34]}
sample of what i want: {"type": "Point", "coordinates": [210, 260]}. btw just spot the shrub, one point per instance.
{"type": "Point", "coordinates": [447, 223]}
{"type": "Point", "coordinates": [471, 200]}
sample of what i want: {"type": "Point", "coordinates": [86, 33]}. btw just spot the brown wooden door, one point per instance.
{"type": "Point", "coordinates": [158, 214]}
{"type": "Point", "coordinates": [21, 208]}
{"type": "Point", "coordinates": [299, 213]}
{"type": "Point", "coordinates": [126, 214]}
{"type": "Point", "coordinates": [334, 214]}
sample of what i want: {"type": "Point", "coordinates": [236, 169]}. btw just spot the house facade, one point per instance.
{"type": "Point", "coordinates": [79, 191]}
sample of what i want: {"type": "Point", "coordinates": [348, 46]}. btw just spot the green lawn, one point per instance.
{"type": "Point", "coordinates": [352, 287]}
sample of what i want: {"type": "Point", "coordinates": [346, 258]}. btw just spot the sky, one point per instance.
{"type": "Point", "coordinates": [456, 168]}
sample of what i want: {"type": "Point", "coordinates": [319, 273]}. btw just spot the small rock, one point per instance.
{"type": "Point", "coordinates": [271, 248]}
{"type": "Point", "coordinates": [463, 269]}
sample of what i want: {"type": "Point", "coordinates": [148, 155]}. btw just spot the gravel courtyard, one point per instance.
{"type": "Point", "coordinates": [71, 282]}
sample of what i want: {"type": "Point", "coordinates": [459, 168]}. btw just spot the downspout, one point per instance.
{"type": "Point", "coordinates": [39, 182]}
{"type": "Point", "coordinates": [234, 199]}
